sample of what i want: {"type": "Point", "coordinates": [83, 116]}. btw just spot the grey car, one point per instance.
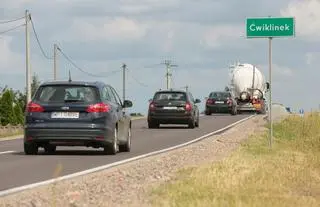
{"type": "Point", "coordinates": [76, 113]}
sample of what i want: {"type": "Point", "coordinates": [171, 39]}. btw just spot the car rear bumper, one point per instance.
{"type": "Point", "coordinates": [218, 108]}
{"type": "Point", "coordinates": [170, 119]}
{"type": "Point", "coordinates": [69, 136]}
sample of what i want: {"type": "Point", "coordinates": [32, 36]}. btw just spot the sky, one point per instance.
{"type": "Point", "coordinates": [201, 37]}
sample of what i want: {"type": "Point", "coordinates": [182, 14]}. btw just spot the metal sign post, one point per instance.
{"type": "Point", "coordinates": [270, 27]}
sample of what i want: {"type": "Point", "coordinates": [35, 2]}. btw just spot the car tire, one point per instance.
{"type": "Point", "coordinates": [112, 149]}
{"type": "Point", "coordinates": [127, 146]}
{"type": "Point", "coordinates": [233, 111]}
{"type": "Point", "coordinates": [192, 124]}
{"type": "Point", "coordinates": [153, 125]}
{"type": "Point", "coordinates": [50, 149]}
{"type": "Point", "coordinates": [208, 113]}
{"type": "Point", "coordinates": [197, 122]}
{"type": "Point", "coordinates": [30, 148]}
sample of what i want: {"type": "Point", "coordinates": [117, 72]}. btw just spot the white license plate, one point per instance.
{"type": "Point", "coordinates": [219, 102]}
{"type": "Point", "coordinates": [170, 107]}
{"type": "Point", "coordinates": [65, 115]}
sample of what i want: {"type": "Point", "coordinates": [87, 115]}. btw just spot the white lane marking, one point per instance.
{"type": "Point", "coordinates": [6, 152]}
{"type": "Point", "coordinates": [103, 167]}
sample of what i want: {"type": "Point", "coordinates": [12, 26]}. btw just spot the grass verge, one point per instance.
{"type": "Point", "coordinates": [8, 134]}
{"type": "Point", "coordinates": [286, 175]}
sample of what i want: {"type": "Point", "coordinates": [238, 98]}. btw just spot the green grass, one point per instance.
{"type": "Point", "coordinates": [9, 134]}
{"type": "Point", "coordinates": [286, 175]}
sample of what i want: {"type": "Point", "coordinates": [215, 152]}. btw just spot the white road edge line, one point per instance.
{"type": "Point", "coordinates": [6, 152]}
{"type": "Point", "coordinates": [103, 167]}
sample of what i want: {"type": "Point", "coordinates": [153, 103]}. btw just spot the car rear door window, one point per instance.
{"type": "Point", "coordinates": [105, 94]}
{"type": "Point", "coordinates": [112, 97]}
{"type": "Point", "coordinates": [67, 93]}
{"type": "Point", "coordinates": [118, 100]}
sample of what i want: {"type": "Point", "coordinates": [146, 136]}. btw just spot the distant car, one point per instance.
{"type": "Point", "coordinates": [75, 113]}
{"type": "Point", "coordinates": [220, 102]}
{"type": "Point", "coordinates": [173, 107]}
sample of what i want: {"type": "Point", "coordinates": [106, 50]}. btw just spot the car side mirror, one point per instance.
{"type": "Point", "coordinates": [150, 100]}
{"type": "Point", "coordinates": [197, 101]}
{"type": "Point", "coordinates": [127, 104]}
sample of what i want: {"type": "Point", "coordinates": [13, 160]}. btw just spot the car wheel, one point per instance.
{"type": "Point", "coordinates": [153, 125]}
{"type": "Point", "coordinates": [208, 113]}
{"type": "Point", "coordinates": [197, 122]}
{"type": "Point", "coordinates": [112, 149]}
{"type": "Point", "coordinates": [50, 149]}
{"type": "Point", "coordinates": [191, 124]}
{"type": "Point", "coordinates": [30, 148]}
{"type": "Point", "coordinates": [127, 146]}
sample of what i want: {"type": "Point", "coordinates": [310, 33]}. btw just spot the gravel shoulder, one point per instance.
{"type": "Point", "coordinates": [130, 184]}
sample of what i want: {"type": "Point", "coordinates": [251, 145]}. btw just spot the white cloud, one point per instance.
{"type": "Point", "coordinates": [119, 28]}
{"type": "Point", "coordinates": [219, 36]}
{"type": "Point", "coordinates": [307, 18]}
{"type": "Point", "coordinates": [9, 61]}
{"type": "Point", "coordinates": [312, 58]}
{"type": "Point", "coordinates": [10, 4]}
{"type": "Point", "coordinates": [139, 6]}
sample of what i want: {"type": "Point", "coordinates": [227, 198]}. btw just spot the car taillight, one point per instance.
{"type": "Point", "coordinates": [98, 107]}
{"type": "Point", "coordinates": [188, 107]}
{"type": "Point", "coordinates": [229, 101]}
{"type": "Point", "coordinates": [210, 101]}
{"type": "Point", "coordinates": [152, 106]}
{"type": "Point", "coordinates": [33, 107]}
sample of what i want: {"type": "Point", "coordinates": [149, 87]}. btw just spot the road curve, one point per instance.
{"type": "Point", "coordinates": [17, 169]}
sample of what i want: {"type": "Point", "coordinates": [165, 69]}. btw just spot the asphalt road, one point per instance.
{"type": "Point", "coordinates": [17, 169]}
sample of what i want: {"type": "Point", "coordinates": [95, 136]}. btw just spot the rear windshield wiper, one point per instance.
{"type": "Point", "coordinates": [73, 100]}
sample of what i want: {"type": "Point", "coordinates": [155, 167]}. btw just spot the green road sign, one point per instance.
{"type": "Point", "coordinates": [270, 27]}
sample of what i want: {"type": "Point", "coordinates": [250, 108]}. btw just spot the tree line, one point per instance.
{"type": "Point", "coordinates": [13, 103]}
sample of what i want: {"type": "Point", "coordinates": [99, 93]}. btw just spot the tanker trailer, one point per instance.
{"type": "Point", "coordinates": [247, 84]}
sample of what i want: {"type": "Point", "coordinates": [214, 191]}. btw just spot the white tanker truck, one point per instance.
{"type": "Point", "coordinates": [248, 86]}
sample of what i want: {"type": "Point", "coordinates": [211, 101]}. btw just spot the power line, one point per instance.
{"type": "Point", "coordinates": [90, 74]}
{"type": "Point", "coordinates": [13, 28]}
{"type": "Point", "coordinates": [11, 20]}
{"type": "Point", "coordinates": [135, 79]}
{"type": "Point", "coordinates": [38, 41]}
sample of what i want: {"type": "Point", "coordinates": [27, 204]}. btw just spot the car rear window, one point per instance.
{"type": "Point", "coordinates": [170, 96]}
{"type": "Point", "coordinates": [219, 95]}
{"type": "Point", "coordinates": [67, 93]}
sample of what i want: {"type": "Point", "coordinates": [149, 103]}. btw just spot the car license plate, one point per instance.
{"type": "Point", "coordinates": [170, 107]}
{"type": "Point", "coordinates": [65, 115]}
{"type": "Point", "coordinates": [219, 102]}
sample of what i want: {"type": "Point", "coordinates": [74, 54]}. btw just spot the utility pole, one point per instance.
{"type": "Point", "coordinates": [124, 67]}
{"type": "Point", "coordinates": [187, 87]}
{"type": "Point", "coordinates": [28, 68]}
{"type": "Point", "coordinates": [55, 51]}
{"type": "Point", "coordinates": [168, 73]}
{"type": "Point", "coordinates": [270, 94]}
